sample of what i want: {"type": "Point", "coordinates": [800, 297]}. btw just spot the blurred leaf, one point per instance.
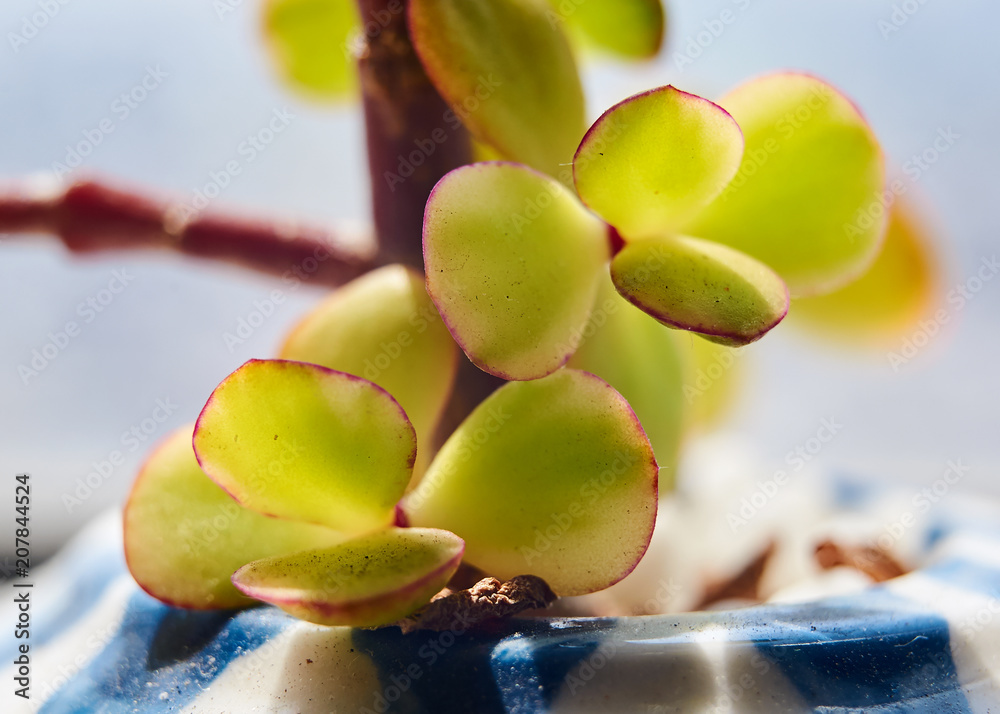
{"type": "Point", "coordinates": [553, 478]}
{"type": "Point", "coordinates": [889, 299]}
{"type": "Point", "coordinates": [811, 169]}
{"type": "Point", "coordinates": [303, 442]}
{"type": "Point", "coordinates": [651, 162]}
{"type": "Point", "coordinates": [722, 294]}
{"type": "Point", "coordinates": [713, 375]}
{"type": "Point", "coordinates": [184, 536]}
{"type": "Point", "coordinates": [365, 582]}
{"type": "Point", "coordinates": [507, 72]}
{"type": "Point", "coordinates": [632, 29]}
{"type": "Point", "coordinates": [384, 327]}
{"type": "Point", "coordinates": [484, 152]}
{"type": "Point", "coordinates": [310, 42]}
{"type": "Point", "coordinates": [641, 359]}
{"type": "Point", "coordinates": [513, 262]}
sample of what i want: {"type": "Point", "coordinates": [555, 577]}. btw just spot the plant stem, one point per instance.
{"type": "Point", "coordinates": [90, 215]}
{"type": "Point", "coordinates": [410, 130]}
{"type": "Point", "coordinates": [413, 138]}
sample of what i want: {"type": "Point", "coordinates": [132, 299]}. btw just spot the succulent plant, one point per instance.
{"type": "Point", "coordinates": [554, 477]}
{"type": "Point", "coordinates": [347, 480]}
{"type": "Point", "coordinates": [702, 233]}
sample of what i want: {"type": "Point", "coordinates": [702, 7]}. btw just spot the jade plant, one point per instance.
{"type": "Point", "coordinates": [329, 455]}
{"type": "Point", "coordinates": [348, 480]}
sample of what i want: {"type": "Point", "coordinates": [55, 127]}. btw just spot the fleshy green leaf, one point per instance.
{"type": "Point", "coordinates": [310, 41]}
{"type": "Point", "coordinates": [640, 358]}
{"type": "Point", "coordinates": [513, 262]}
{"type": "Point", "coordinates": [890, 298]}
{"type": "Point", "coordinates": [811, 172]}
{"type": "Point", "coordinates": [365, 582]}
{"type": "Point", "coordinates": [553, 478]}
{"type": "Point", "coordinates": [632, 29]}
{"type": "Point", "coordinates": [722, 294]}
{"type": "Point", "coordinates": [184, 536]}
{"type": "Point", "coordinates": [508, 73]}
{"type": "Point", "coordinates": [651, 162]}
{"type": "Point", "coordinates": [306, 443]}
{"type": "Point", "coordinates": [384, 327]}
{"type": "Point", "coordinates": [713, 374]}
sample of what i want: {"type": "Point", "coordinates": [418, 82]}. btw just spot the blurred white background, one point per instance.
{"type": "Point", "coordinates": [161, 338]}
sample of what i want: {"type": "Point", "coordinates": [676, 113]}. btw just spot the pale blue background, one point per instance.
{"type": "Point", "coordinates": [162, 338]}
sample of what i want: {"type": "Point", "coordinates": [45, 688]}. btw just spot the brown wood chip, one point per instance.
{"type": "Point", "coordinates": [488, 599]}
{"type": "Point", "coordinates": [874, 562]}
{"type": "Point", "coordinates": [745, 585]}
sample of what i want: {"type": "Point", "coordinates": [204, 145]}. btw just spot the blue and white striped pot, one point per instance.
{"type": "Point", "coordinates": [928, 642]}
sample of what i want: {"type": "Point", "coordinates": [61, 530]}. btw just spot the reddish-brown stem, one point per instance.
{"type": "Point", "coordinates": [90, 215]}
{"type": "Point", "coordinates": [413, 137]}
{"type": "Point", "coordinates": [413, 140]}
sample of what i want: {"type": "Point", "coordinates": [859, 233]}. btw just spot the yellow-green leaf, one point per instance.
{"type": "Point", "coordinates": [553, 477]}
{"type": "Point", "coordinates": [811, 173]}
{"type": "Point", "coordinates": [713, 374]}
{"type": "Point", "coordinates": [307, 443]}
{"type": "Point", "coordinates": [722, 294]}
{"type": "Point", "coordinates": [384, 327]}
{"type": "Point", "coordinates": [184, 536]}
{"type": "Point", "coordinates": [311, 44]}
{"type": "Point", "coordinates": [632, 29]}
{"type": "Point", "coordinates": [513, 261]}
{"type": "Point", "coordinates": [889, 299]}
{"type": "Point", "coordinates": [640, 358]}
{"type": "Point", "coordinates": [508, 73]}
{"type": "Point", "coordinates": [364, 582]}
{"type": "Point", "coordinates": [651, 162]}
